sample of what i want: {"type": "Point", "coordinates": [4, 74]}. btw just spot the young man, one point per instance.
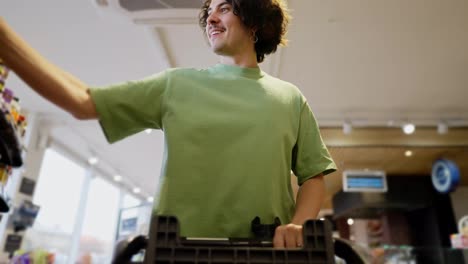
{"type": "Point", "coordinates": [233, 133]}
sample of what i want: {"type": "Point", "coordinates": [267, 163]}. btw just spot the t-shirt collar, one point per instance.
{"type": "Point", "coordinates": [253, 73]}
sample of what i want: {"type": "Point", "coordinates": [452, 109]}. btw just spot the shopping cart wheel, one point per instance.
{"type": "Point", "coordinates": [126, 249]}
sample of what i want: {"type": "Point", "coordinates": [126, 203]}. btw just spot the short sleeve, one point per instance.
{"type": "Point", "coordinates": [128, 108]}
{"type": "Point", "coordinates": [310, 155]}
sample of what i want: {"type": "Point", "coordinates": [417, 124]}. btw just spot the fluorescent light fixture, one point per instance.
{"type": "Point", "coordinates": [409, 128]}
{"type": "Point", "coordinates": [93, 160]}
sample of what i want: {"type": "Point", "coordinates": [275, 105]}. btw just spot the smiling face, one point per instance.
{"type": "Point", "coordinates": [226, 33]}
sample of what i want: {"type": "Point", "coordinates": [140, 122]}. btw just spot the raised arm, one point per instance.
{"type": "Point", "coordinates": [56, 85]}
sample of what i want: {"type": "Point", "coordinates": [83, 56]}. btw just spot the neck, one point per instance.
{"type": "Point", "coordinates": [245, 60]}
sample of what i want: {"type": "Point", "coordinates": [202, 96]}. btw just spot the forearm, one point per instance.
{"type": "Point", "coordinates": [45, 78]}
{"type": "Point", "coordinates": [309, 200]}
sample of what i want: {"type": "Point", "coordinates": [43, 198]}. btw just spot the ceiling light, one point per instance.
{"type": "Point", "coordinates": [117, 178]}
{"type": "Point", "coordinates": [409, 128]}
{"type": "Point", "coordinates": [148, 131]}
{"type": "Point", "coordinates": [150, 199]}
{"type": "Point", "coordinates": [347, 128]}
{"type": "Point", "coordinates": [136, 190]}
{"type": "Point", "coordinates": [93, 160]}
{"type": "Point", "coordinates": [442, 128]}
{"type": "Point", "coordinates": [350, 221]}
{"type": "Point", "coordinates": [408, 153]}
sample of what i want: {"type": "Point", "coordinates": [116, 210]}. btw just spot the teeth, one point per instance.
{"type": "Point", "coordinates": [216, 32]}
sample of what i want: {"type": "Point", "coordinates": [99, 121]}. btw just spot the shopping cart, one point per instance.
{"type": "Point", "coordinates": [165, 246]}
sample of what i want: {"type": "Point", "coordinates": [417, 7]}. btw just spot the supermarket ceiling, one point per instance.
{"type": "Point", "coordinates": [371, 63]}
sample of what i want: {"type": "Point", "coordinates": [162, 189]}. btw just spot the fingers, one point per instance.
{"type": "Point", "coordinates": [300, 240]}
{"type": "Point", "coordinates": [288, 236]}
{"type": "Point", "coordinates": [278, 239]}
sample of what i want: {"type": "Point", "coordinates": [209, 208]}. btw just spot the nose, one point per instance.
{"type": "Point", "coordinates": [212, 19]}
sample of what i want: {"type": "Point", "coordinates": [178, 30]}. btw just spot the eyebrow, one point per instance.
{"type": "Point", "coordinates": [220, 4]}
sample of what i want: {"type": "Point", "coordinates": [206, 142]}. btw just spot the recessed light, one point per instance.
{"type": "Point", "coordinates": [408, 153]}
{"type": "Point", "coordinates": [409, 129]}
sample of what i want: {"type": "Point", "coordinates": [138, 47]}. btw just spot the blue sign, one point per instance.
{"type": "Point", "coordinates": [445, 175]}
{"type": "Point", "coordinates": [129, 225]}
{"type": "Point", "coordinates": [364, 181]}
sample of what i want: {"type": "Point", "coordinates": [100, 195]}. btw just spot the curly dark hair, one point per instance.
{"type": "Point", "coordinates": [269, 17]}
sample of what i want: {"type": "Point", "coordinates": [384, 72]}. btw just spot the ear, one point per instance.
{"type": "Point", "coordinates": [254, 30]}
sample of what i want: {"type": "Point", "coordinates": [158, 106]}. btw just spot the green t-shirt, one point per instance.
{"type": "Point", "coordinates": [232, 137]}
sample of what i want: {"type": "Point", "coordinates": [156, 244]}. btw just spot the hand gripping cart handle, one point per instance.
{"type": "Point", "coordinates": [165, 246]}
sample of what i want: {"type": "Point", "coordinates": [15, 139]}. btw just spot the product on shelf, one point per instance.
{"type": "Point", "coordinates": [5, 172]}
{"type": "Point", "coordinates": [12, 129]}
{"type": "Point", "coordinates": [37, 256]}
{"type": "Point", "coordinates": [3, 70]}
{"type": "Point", "coordinates": [12, 123]}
